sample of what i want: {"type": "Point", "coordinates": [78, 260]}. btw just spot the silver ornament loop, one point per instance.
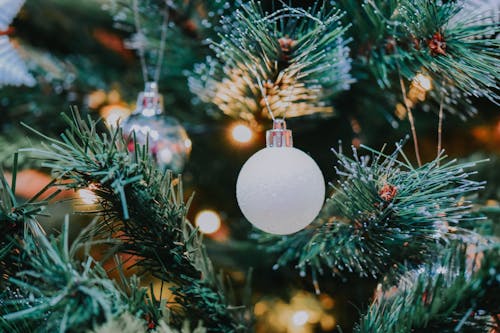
{"type": "Point", "coordinates": [149, 101]}
{"type": "Point", "coordinates": [279, 136]}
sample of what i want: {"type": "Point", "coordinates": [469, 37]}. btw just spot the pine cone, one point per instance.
{"type": "Point", "coordinates": [437, 44]}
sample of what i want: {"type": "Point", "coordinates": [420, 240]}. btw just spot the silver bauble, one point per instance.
{"type": "Point", "coordinates": [167, 139]}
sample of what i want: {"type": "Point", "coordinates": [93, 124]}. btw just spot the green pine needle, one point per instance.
{"type": "Point", "coordinates": [297, 58]}
{"type": "Point", "coordinates": [57, 292]}
{"type": "Point", "coordinates": [402, 36]}
{"type": "Point", "coordinates": [146, 207]}
{"type": "Point", "coordinates": [383, 212]}
{"type": "Point", "coordinates": [456, 293]}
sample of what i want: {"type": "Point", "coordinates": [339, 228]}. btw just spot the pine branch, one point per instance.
{"type": "Point", "coordinates": [127, 323]}
{"type": "Point", "coordinates": [14, 218]}
{"type": "Point", "coordinates": [463, 53]}
{"type": "Point", "coordinates": [454, 294]}
{"type": "Point", "coordinates": [55, 291]}
{"type": "Point", "coordinates": [145, 207]}
{"type": "Point", "coordinates": [383, 212]}
{"type": "Point", "coordinates": [458, 50]}
{"type": "Point", "coordinates": [9, 145]}
{"type": "Point", "coordinates": [190, 22]}
{"type": "Point", "coordinates": [300, 56]}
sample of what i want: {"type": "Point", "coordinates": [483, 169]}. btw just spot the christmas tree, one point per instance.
{"type": "Point", "coordinates": [158, 166]}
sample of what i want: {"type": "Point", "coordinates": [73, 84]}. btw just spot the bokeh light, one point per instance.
{"type": "Point", "coordinates": [241, 133]}
{"type": "Point", "coordinates": [87, 196]}
{"type": "Point", "coordinates": [300, 318]}
{"type": "Point", "coordinates": [114, 113]}
{"type": "Point", "coordinates": [423, 81]}
{"type": "Point", "coordinates": [208, 221]}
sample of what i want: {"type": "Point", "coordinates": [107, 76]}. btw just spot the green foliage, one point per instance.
{"type": "Point", "coordinates": [127, 323]}
{"type": "Point", "coordinates": [455, 48]}
{"type": "Point", "coordinates": [146, 208]}
{"type": "Point", "coordinates": [190, 24]}
{"type": "Point", "coordinates": [470, 58]}
{"type": "Point", "coordinates": [456, 293]}
{"type": "Point", "coordinates": [302, 61]}
{"type": "Point", "coordinates": [383, 212]}
{"type": "Point", "coordinates": [57, 291]}
{"type": "Point", "coordinates": [14, 217]}
{"type": "Point", "coordinates": [297, 58]}
{"type": "Point", "coordinates": [9, 146]}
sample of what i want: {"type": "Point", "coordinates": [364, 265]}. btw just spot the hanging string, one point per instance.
{"type": "Point", "coordinates": [140, 44]}
{"type": "Point", "coordinates": [163, 37]}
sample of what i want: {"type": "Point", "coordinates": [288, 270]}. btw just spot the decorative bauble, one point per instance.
{"type": "Point", "coordinates": [280, 189]}
{"type": "Point", "coordinates": [167, 139]}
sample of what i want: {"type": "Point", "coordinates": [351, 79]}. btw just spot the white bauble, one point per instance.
{"type": "Point", "coordinates": [280, 190]}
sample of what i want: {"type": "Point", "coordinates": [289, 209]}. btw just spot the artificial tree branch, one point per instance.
{"type": "Point", "coordinates": [59, 289]}
{"type": "Point", "coordinates": [384, 212]}
{"type": "Point", "coordinates": [145, 207]}
{"type": "Point", "coordinates": [450, 294]}
{"type": "Point", "coordinates": [301, 57]}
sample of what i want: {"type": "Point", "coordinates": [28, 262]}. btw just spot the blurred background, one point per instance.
{"type": "Point", "coordinates": [78, 55]}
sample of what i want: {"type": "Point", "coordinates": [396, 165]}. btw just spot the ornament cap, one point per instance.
{"type": "Point", "coordinates": [279, 136]}
{"type": "Point", "coordinates": [149, 101]}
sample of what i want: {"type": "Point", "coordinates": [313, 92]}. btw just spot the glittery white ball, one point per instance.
{"type": "Point", "coordinates": [280, 190]}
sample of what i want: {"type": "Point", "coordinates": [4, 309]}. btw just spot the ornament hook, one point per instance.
{"type": "Point", "coordinates": [279, 136]}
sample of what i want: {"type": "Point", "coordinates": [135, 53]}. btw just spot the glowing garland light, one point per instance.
{"type": "Point", "coordinates": [114, 113]}
{"type": "Point", "coordinates": [87, 196]}
{"type": "Point", "coordinates": [423, 81]}
{"type": "Point", "coordinates": [241, 133]}
{"type": "Point", "coordinates": [300, 318]}
{"type": "Point", "coordinates": [208, 221]}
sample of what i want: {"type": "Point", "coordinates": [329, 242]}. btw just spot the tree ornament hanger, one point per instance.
{"type": "Point", "coordinates": [279, 135]}
{"type": "Point", "coordinates": [140, 46]}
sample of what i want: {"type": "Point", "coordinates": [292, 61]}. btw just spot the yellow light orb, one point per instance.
{"type": "Point", "coordinates": [241, 133]}
{"type": "Point", "coordinates": [208, 221]}
{"type": "Point", "coordinates": [260, 308]}
{"type": "Point", "coordinates": [300, 318]}
{"type": "Point", "coordinates": [113, 113]}
{"type": "Point", "coordinates": [87, 196]}
{"type": "Point", "coordinates": [114, 97]}
{"type": "Point", "coordinates": [423, 81]}
{"type": "Point", "coordinates": [96, 98]}
{"type": "Point", "coordinates": [327, 323]}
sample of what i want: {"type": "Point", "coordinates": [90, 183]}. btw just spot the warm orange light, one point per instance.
{"type": "Point", "coordinates": [260, 308]}
{"type": "Point", "coordinates": [112, 114]}
{"type": "Point", "coordinates": [114, 97]}
{"type": "Point", "coordinates": [241, 133]}
{"type": "Point", "coordinates": [327, 323]}
{"type": "Point", "coordinates": [96, 98]}
{"type": "Point", "coordinates": [87, 196]}
{"type": "Point", "coordinates": [423, 81]}
{"type": "Point", "coordinates": [208, 221]}
{"type": "Point", "coordinates": [300, 318]}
